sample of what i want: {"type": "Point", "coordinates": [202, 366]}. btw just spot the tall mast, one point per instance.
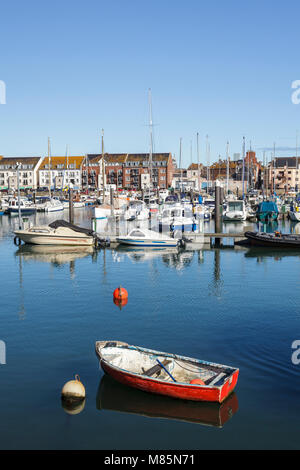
{"type": "Point", "coordinates": [274, 170]}
{"type": "Point", "coordinates": [296, 184]}
{"type": "Point", "coordinates": [207, 163]}
{"type": "Point", "coordinates": [49, 166]}
{"type": "Point", "coordinates": [151, 140]}
{"type": "Point", "coordinates": [180, 148]}
{"type": "Point", "coordinates": [103, 167]}
{"type": "Point", "coordinates": [243, 174]}
{"type": "Point", "coordinates": [66, 160]}
{"type": "Point", "coordinates": [198, 161]}
{"type": "Point", "coordinates": [227, 172]}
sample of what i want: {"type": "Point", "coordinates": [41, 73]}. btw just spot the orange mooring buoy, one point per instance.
{"type": "Point", "coordinates": [120, 296]}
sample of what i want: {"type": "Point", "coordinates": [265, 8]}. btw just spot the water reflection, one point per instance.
{"type": "Point", "coordinates": [215, 286]}
{"type": "Point", "coordinates": [262, 253]}
{"type": "Point", "coordinates": [117, 397]}
{"type": "Point", "coordinates": [57, 255]}
{"type": "Point", "coordinates": [140, 254]}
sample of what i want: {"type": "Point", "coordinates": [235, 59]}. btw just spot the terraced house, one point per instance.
{"type": "Point", "coordinates": [131, 171]}
{"type": "Point", "coordinates": [60, 172]}
{"type": "Point", "coordinates": [28, 172]}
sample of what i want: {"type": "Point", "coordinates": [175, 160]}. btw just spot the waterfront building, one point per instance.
{"type": "Point", "coordinates": [284, 174]}
{"type": "Point", "coordinates": [59, 172]}
{"type": "Point", "coordinates": [92, 172]}
{"type": "Point", "coordinates": [28, 172]}
{"type": "Point", "coordinates": [132, 171]}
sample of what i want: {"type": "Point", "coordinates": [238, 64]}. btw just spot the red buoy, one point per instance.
{"type": "Point", "coordinates": [197, 382]}
{"type": "Point", "coordinates": [120, 293]}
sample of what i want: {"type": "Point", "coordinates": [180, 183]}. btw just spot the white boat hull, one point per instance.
{"type": "Point", "coordinates": [294, 216]}
{"type": "Point", "coordinates": [40, 239]}
{"type": "Point", "coordinates": [148, 243]}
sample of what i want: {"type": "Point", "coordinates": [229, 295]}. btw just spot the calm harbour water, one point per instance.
{"type": "Point", "coordinates": [239, 307]}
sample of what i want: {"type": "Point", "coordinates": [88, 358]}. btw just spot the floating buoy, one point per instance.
{"type": "Point", "coordinates": [120, 294]}
{"type": "Point", "coordinates": [197, 382]}
{"type": "Point", "coordinates": [73, 390]}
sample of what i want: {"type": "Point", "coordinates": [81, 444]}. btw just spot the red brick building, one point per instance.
{"type": "Point", "coordinates": [129, 171]}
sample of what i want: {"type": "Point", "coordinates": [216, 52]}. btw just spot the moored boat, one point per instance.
{"type": "Point", "coordinates": [146, 238]}
{"type": "Point", "coordinates": [59, 232]}
{"type": "Point", "coordinates": [166, 374]}
{"type": "Point", "coordinates": [267, 211]}
{"type": "Point", "coordinates": [276, 239]}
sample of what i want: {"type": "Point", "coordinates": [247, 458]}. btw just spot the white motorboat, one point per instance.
{"type": "Point", "coordinates": [177, 217]}
{"type": "Point", "coordinates": [54, 205]}
{"type": "Point", "coordinates": [76, 204]}
{"type": "Point", "coordinates": [103, 211]}
{"type": "Point", "coordinates": [235, 211]}
{"type": "Point", "coordinates": [136, 210]}
{"type": "Point", "coordinates": [59, 232]}
{"type": "Point", "coordinates": [26, 207]}
{"type": "Point", "coordinates": [144, 237]}
{"type": "Point", "coordinates": [294, 215]}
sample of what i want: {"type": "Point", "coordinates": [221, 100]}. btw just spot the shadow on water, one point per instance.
{"type": "Point", "coordinates": [118, 397]}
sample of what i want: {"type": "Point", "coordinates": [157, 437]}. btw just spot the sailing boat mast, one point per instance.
{"type": "Point", "coordinates": [49, 166]}
{"type": "Point", "coordinates": [198, 162]}
{"type": "Point", "coordinates": [103, 168]}
{"type": "Point", "coordinates": [296, 184]}
{"type": "Point", "coordinates": [151, 141]}
{"type": "Point", "coordinates": [243, 175]}
{"type": "Point", "coordinates": [180, 146]}
{"type": "Point", "coordinates": [207, 168]}
{"type": "Point", "coordinates": [66, 164]}
{"type": "Point", "coordinates": [227, 172]}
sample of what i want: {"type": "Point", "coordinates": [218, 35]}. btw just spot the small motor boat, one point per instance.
{"type": "Point", "coordinates": [166, 374]}
{"type": "Point", "coordinates": [59, 232]}
{"type": "Point", "coordinates": [274, 240]}
{"type": "Point", "coordinates": [146, 238]}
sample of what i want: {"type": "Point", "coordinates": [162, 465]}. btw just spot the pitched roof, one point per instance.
{"type": "Point", "coordinates": [55, 161]}
{"type": "Point", "coordinates": [12, 161]}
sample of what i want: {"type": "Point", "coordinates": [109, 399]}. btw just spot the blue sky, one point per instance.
{"type": "Point", "coordinates": [222, 69]}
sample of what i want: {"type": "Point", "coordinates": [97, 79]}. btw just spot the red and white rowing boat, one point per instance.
{"type": "Point", "coordinates": [166, 374]}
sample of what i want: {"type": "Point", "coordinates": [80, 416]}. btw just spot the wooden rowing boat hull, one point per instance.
{"type": "Point", "coordinates": [184, 391]}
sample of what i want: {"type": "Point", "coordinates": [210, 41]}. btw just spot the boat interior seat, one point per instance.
{"type": "Point", "coordinates": [155, 369]}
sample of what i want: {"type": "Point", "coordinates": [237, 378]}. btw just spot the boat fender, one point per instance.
{"type": "Point", "coordinates": [17, 241]}
{"type": "Point", "coordinates": [73, 390]}
{"type": "Point", "coordinates": [197, 382]}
